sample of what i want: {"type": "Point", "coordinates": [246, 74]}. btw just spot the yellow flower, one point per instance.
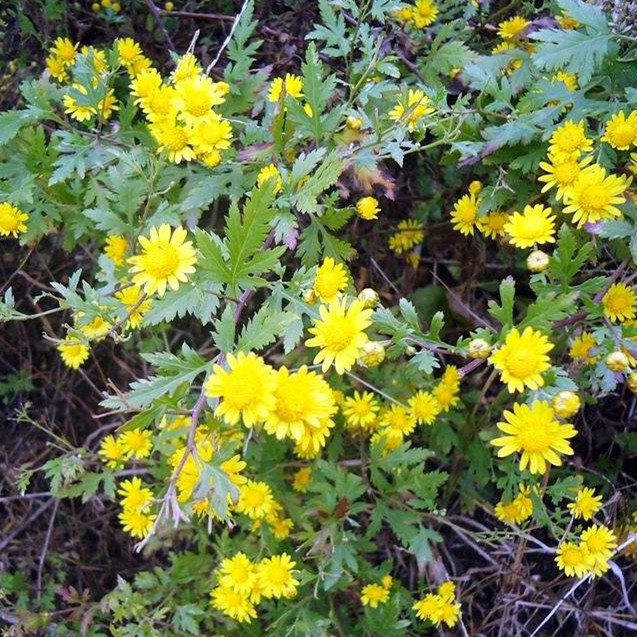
{"type": "Point", "coordinates": [601, 542]}
{"type": "Point", "coordinates": [187, 67]}
{"type": "Point", "coordinates": [569, 141]}
{"type": "Point", "coordinates": [281, 527]}
{"type": "Point", "coordinates": [166, 259]}
{"type": "Point", "coordinates": [11, 220]}
{"type": "Point", "coordinates": [522, 359]}
{"type": "Point", "coordinates": [447, 390]}
{"type": "Point", "coordinates": [245, 389]}
{"type": "Point", "coordinates": [73, 352]}
{"type": "Point", "coordinates": [276, 577]}
{"type": "Point", "coordinates": [56, 68]}
{"type": "Point", "coordinates": [144, 85]}
{"type": "Point", "coordinates": [586, 504]}
{"type": "Point", "coordinates": [302, 479]}
{"type": "Point", "coordinates": [361, 410]}
{"type": "Point", "coordinates": [130, 298]}
{"type": "Point", "coordinates": [582, 348]}
{"type": "Point", "coordinates": [593, 196]}
{"type": "Point", "coordinates": [465, 214]}
{"type": "Point", "coordinates": [135, 496]}
{"type": "Point", "coordinates": [424, 13]}
{"type": "Point", "coordinates": [447, 590]}
{"type": "Point", "coordinates": [293, 85]}
{"type": "Point", "coordinates": [95, 329]}
{"type": "Point", "coordinates": [574, 559]}
{"type": "Point", "coordinates": [314, 439]}
{"type": "Point", "coordinates": [173, 138]}
{"type": "Point", "coordinates": [137, 523]}
{"type": "Point", "coordinates": [64, 50]}
{"type": "Point", "coordinates": [410, 233]}
{"type": "Point", "coordinates": [212, 133]}
{"type": "Point", "coordinates": [416, 107]}
{"type": "Point", "coordinates": [619, 302]}
{"type": "Point", "coordinates": [270, 172]}
{"type": "Point", "coordinates": [302, 400]}
{"type": "Point", "coordinates": [80, 112]}
{"type": "Point", "coordinates": [395, 423]}
{"type": "Point", "coordinates": [255, 500]}
{"type": "Point", "coordinates": [517, 510]}
{"type": "Point", "coordinates": [438, 609]}
{"type": "Point", "coordinates": [492, 224]}
{"type": "Point", "coordinates": [116, 248]}
{"type": "Point", "coordinates": [112, 452]}
{"type": "Point", "coordinates": [339, 333]}
{"type": "Point", "coordinates": [569, 80]}
{"type": "Point", "coordinates": [237, 573]}
{"type": "Point", "coordinates": [232, 603]}
{"type": "Point", "coordinates": [561, 174]}
{"type": "Point", "coordinates": [137, 443]}
{"type": "Point", "coordinates": [475, 187]}
{"type": "Point", "coordinates": [374, 594]}
{"type": "Point", "coordinates": [424, 407]}
{"type": "Point", "coordinates": [128, 50]}
{"type": "Point", "coordinates": [621, 131]}
{"type": "Point", "coordinates": [512, 28]}
{"type": "Point", "coordinates": [535, 434]}
{"type": "Point", "coordinates": [535, 225]}
{"type": "Point", "coordinates": [566, 22]}
{"type": "Point", "coordinates": [195, 96]}
{"type": "Point", "coordinates": [427, 606]}
{"type": "Point", "coordinates": [331, 279]}
{"type": "Point", "coordinates": [367, 208]}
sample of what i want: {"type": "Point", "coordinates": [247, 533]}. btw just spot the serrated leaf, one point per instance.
{"type": "Point", "coordinates": [263, 328]}
{"type": "Point", "coordinates": [504, 312]}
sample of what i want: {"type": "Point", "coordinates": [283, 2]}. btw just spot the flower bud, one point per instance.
{"type": "Point", "coordinates": [410, 350]}
{"type": "Point", "coordinates": [309, 296]}
{"type": "Point", "coordinates": [537, 261]}
{"type": "Point", "coordinates": [475, 187]}
{"type": "Point", "coordinates": [368, 297]}
{"type": "Point", "coordinates": [367, 208]}
{"type": "Point", "coordinates": [354, 122]}
{"type": "Point", "coordinates": [372, 354]}
{"type": "Point", "coordinates": [566, 404]}
{"type": "Point", "coordinates": [479, 348]}
{"type": "Point", "coordinates": [631, 381]}
{"type": "Point", "coordinates": [617, 361]}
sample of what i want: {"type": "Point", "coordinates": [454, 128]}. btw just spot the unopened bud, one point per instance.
{"type": "Point", "coordinates": [372, 354]}
{"type": "Point", "coordinates": [617, 361]}
{"type": "Point", "coordinates": [354, 122]}
{"type": "Point", "coordinates": [475, 187]}
{"type": "Point", "coordinates": [479, 348]}
{"type": "Point", "coordinates": [368, 297]}
{"type": "Point", "coordinates": [537, 261]}
{"type": "Point", "coordinates": [410, 350]}
{"type": "Point", "coordinates": [566, 404]}
{"type": "Point", "coordinates": [631, 381]}
{"type": "Point", "coordinates": [309, 296]}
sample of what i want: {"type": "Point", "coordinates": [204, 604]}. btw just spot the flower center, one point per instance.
{"type": "Point", "coordinates": [572, 556]}
{"type": "Point", "coordinates": [565, 173]}
{"type": "Point", "coordinates": [593, 198]}
{"type": "Point", "coordinates": [535, 438]}
{"type": "Point", "coordinates": [569, 141]}
{"type": "Point", "coordinates": [176, 138]}
{"type": "Point", "coordinates": [327, 284]}
{"type": "Point", "coordinates": [623, 135]}
{"type": "Point", "coordinates": [291, 405]}
{"type": "Point", "coordinates": [162, 260]}
{"type": "Point", "coordinates": [339, 335]}
{"type": "Point", "coordinates": [521, 364]}
{"type": "Point", "coordinates": [198, 103]}
{"type": "Point", "coordinates": [532, 227]}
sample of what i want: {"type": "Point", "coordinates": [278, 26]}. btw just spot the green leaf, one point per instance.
{"type": "Point", "coordinates": [504, 312]}
{"type": "Point", "coordinates": [326, 175]}
{"type": "Point", "coordinates": [332, 31]}
{"type": "Point", "coordinates": [224, 332]}
{"type": "Point", "coordinates": [200, 300]}
{"type": "Point", "coordinates": [12, 121]}
{"type": "Point", "coordinates": [263, 328]}
{"type": "Point", "coordinates": [541, 314]}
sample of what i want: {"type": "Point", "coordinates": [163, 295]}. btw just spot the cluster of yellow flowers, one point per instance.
{"type": "Point", "coordinates": [180, 111]}
{"type": "Point", "coordinates": [136, 517]}
{"type": "Point", "coordinates": [242, 583]}
{"type": "Point", "coordinates": [419, 15]}
{"type": "Point", "coordinates": [374, 594]}
{"type": "Point", "coordinates": [440, 607]}
{"type": "Point", "coordinates": [588, 556]}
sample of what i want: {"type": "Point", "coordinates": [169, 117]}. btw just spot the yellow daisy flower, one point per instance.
{"type": "Point", "coordinates": [238, 573]}
{"type": "Point", "coordinates": [601, 543]}
{"type": "Point", "coordinates": [331, 279]}
{"type": "Point", "coordinates": [535, 225]}
{"type": "Point", "coordinates": [512, 28]}
{"type": "Point", "coordinates": [586, 504]}
{"type": "Point", "coordinates": [561, 174]}
{"type": "Point", "coordinates": [582, 348]}
{"type": "Point", "coordinates": [166, 260]}
{"type": "Point", "coordinates": [135, 496]}
{"type": "Point", "coordinates": [593, 196]}
{"type": "Point", "coordinates": [621, 131]}
{"type": "Point", "coordinates": [73, 352]}
{"type": "Point", "coordinates": [409, 234]}
{"type": "Point", "coordinates": [173, 138]}
{"type": "Point", "coordinates": [465, 214]}
{"type": "Point", "coordinates": [424, 13]}
{"type": "Point", "coordinates": [367, 208]}
{"type": "Point", "coordinates": [413, 110]}
{"type": "Point", "coordinates": [619, 302]}
{"type": "Point", "coordinates": [522, 359]}
{"type": "Point", "coordinates": [361, 411]}
{"type": "Point", "coordinates": [130, 297]}
{"type": "Point", "coordinates": [340, 334]}
{"type": "Point", "coordinates": [374, 594]}
{"type": "Point", "coordinates": [492, 224]}
{"type": "Point", "coordinates": [270, 172]}
{"type": "Point", "coordinates": [64, 50]}
{"type": "Point", "coordinates": [246, 389]}
{"type": "Point", "coordinates": [569, 141]}
{"type": "Point", "coordinates": [116, 248]}
{"type": "Point", "coordinates": [536, 435]}
{"type": "Point", "coordinates": [232, 603]}
{"type": "Point", "coordinates": [137, 443]}
{"type": "Point", "coordinates": [12, 220]}
{"type": "Point", "coordinates": [276, 576]}
{"type": "Point", "coordinates": [424, 407]}
{"type": "Point", "coordinates": [293, 85]}
{"type": "Point", "coordinates": [137, 523]}
{"type": "Point", "coordinates": [112, 452]}
{"type": "Point", "coordinates": [574, 559]}
{"type": "Point", "coordinates": [302, 479]}
{"type": "Point", "coordinates": [195, 97]}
